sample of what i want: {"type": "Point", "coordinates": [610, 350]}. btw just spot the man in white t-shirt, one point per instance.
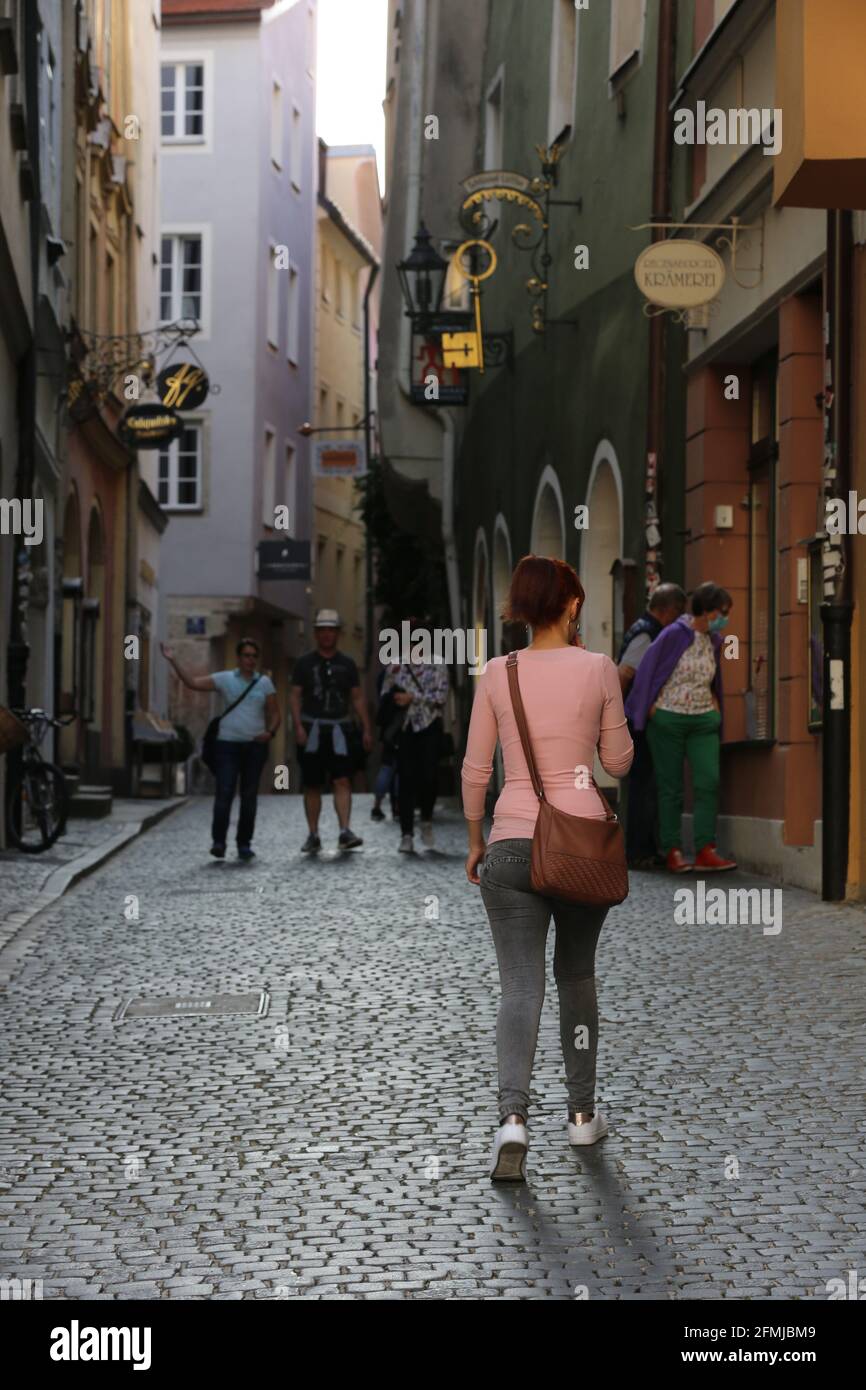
{"type": "Point", "coordinates": [242, 741]}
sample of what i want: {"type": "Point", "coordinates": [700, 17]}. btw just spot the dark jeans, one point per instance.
{"type": "Point", "coordinates": [519, 921]}
{"type": "Point", "coordinates": [640, 827]}
{"type": "Point", "coordinates": [244, 761]}
{"type": "Point", "coordinates": [418, 764]}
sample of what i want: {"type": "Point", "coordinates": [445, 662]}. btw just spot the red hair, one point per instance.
{"type": "Point", "coordinates": [541, 589]}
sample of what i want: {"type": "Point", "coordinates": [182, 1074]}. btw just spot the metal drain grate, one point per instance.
{"type": "Point", "coordinates": [176, 1005]}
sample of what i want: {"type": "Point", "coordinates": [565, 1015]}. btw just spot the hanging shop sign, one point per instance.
{"type": "Point", "coordinates": [285, 559]}
{"type": "Point", "coordinates": [149, 426]}
{"type": "Point", "coordinates": [183, 386]}
{"type": "Point", "coordinates": [505, 186]}
{"type": "Point", "coordinates": [339, 458]}
{"type": "Point", "coordinates": [679, 274]}
{"type": "Point", "coordinates": [433, 382]}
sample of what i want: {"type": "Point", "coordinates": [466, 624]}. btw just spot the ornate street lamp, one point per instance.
{"type": "Point", "coordinates": [422, 278]}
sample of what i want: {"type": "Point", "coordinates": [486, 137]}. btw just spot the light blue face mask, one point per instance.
{"type": "Point", "coordinates": [716, 624]}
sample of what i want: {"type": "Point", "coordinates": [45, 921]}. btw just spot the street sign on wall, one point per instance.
{"type": "Point", "coordinates": [286, 559]}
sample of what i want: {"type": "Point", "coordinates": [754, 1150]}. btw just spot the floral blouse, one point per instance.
{"type": "Point", "coordinates": [429, 687]}
{"type": "Point", "coordinates": [687, 689]}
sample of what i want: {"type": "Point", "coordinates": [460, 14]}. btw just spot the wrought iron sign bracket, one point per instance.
{"type": "Point", "coordinates": [730, 239]}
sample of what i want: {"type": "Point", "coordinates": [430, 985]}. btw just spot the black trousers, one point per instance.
{"type": "Point", "coordinates": [237, 762]}
{"type": "Point", "coordinates": [418, 763]}
{"type": "Point", "coordinates": [640, 829]}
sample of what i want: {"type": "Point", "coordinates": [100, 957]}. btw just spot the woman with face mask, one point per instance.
{"type": "Point", "coordinates": [677, 698]}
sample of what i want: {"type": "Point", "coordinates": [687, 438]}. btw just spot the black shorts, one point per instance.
{"type": "Point", "coordinates": [317, 767]}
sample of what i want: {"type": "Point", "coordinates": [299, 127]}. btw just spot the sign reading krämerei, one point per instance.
{"type": "Point", "coordinates": [679, 274]}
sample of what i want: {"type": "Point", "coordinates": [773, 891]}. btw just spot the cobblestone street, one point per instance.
{"type": "Point", "coordinates": [338, 1146]}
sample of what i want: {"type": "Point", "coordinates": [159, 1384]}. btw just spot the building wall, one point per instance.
{"type": "Point", "coordinates": [215, 191]}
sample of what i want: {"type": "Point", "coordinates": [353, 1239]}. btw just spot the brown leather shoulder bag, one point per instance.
{"type": "Point", "coordinates": [578, 859]}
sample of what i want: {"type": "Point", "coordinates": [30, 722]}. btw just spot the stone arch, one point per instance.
{"type": "Point", "coordinates": [601, 545]}
{"type": "Point", "coordinates": [548, 517]}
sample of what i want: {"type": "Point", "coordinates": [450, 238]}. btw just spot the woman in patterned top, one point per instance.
{"type": "Point", "coordinates": [677, 698]}
{"type": "Point", "coordinates": [422, 690]}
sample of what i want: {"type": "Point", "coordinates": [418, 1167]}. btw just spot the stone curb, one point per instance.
{"type": "Point", "coordinates": [12, 927]}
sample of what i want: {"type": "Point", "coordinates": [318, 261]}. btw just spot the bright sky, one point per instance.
{"type": "Point", "coordinates": [351, 74]}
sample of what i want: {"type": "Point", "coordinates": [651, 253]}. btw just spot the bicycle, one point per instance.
{"type": "Point", "coordinates": [37, 800]}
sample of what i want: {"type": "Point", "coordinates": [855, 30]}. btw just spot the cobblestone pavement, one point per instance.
{"type": "Point", "coordinates": [337, 1147]}
{"type": "Point", "coordinates": [24, 876]}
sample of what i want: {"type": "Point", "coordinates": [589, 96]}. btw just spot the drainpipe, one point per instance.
{"type": "Point", "coordinates": [661, 196]}
{"type": "Point", "coordinates": [368, 446]}
{"type": "Point", "coordinates": [837, 608]}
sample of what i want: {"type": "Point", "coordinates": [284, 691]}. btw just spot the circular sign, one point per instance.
{"type": "Point", "coordinates": [183, 386]}
{"type": "Point", "coordinates": [679, 274]}
{"type": "Point", "coordinates": [149, 426]}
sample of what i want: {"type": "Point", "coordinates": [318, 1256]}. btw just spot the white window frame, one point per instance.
{"type": "Point", "coordinates": [269, 476]}
{"type": "Point", "coordinates": [197, 423]}
{"type": "Point", "coordinates": [293, 313]}
{"type": "Point", "coordinates": [188, 229]}
{"type": "Point", "coordinates": [296, 146]}
{"type": "Point", "coordinates": [561, 107]}
{"type": "Point", "coordinates": [290, 484]}
{"type": "Point", "coordinates": [189, 144]}
{"type": "Point", "coordinates": [272, 307]}
{"type": "Point", "coordinates": [277, 124]}
{"type": "Point", "coordinates": [614, 72]}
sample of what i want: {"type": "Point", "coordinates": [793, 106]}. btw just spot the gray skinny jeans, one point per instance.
{"type": "Point", "coordinates": [519, 921]}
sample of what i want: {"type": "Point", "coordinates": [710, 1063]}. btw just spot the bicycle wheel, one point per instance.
{"type": "Point", "coordinates": [36, 811]}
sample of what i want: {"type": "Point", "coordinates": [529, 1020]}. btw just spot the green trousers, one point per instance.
{"type": "Point", "coordinates": [672, 739]}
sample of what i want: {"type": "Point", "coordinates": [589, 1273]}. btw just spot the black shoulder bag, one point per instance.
{"type": "Point", "coordinates": [211, 733]}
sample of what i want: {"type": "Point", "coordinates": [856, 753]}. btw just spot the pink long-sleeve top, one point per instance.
{"type": "Point", "coordinates": [573, 705]}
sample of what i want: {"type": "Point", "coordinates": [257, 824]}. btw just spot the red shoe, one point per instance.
{"type": "Point", "coordinates": [707, 858]}
{"type": "Point", "coordinates": [676, 864]}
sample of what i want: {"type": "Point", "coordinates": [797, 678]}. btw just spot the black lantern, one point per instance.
{"type": "Point", "coordinates": [422, 277]}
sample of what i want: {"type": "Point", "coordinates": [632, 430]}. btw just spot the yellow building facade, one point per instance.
{"type": "Point", "coordinates": [348, 236]}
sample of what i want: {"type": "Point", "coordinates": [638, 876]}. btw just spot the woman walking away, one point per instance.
{"type": "Point", "coordinates": [249, 720]}
{"type": "Point", "coordinates": [573, 706]}
{"type": "Point", "coordinates": [677, 698]}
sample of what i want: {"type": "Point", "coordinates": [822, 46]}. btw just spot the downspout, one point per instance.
{"type": "Point", "coordinates": [368, 447]}
{"type": "Point", "coordinates": [661, 198]}
{"type": "Point", "coordinates": [837, 608]}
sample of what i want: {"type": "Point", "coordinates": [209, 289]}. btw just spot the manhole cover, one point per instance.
{"type": "Point", "coordinates": [178, 1004]}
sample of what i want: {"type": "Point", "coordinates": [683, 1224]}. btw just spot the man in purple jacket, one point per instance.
{"type": "Point", "coordinates": [677, 698]}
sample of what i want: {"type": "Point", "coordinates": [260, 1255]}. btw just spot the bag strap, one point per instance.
{"type": "Point", "coordinates": [523, 730]}
{"type": "Point", "coordinates": [243, 695]}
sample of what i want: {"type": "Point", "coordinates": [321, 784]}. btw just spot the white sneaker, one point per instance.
{"type": "Point", "coordinates": [407, 844]}
{"type": "Point", "coordinates": [588, 1133]}
{"type": "Point", "coordinates": [427, 834]}
{"type": "Point", "coordinates": [508, 1160]}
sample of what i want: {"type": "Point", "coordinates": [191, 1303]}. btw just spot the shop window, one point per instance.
{"type": "Point", "coordinates": [763, 455]}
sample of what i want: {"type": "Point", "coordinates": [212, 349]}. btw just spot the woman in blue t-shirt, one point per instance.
{"type": "Point", "coordinates": [242, 743]}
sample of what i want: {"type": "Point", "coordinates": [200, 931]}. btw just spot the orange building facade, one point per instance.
{"type": "Point", "coordinates": [762, 377]}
